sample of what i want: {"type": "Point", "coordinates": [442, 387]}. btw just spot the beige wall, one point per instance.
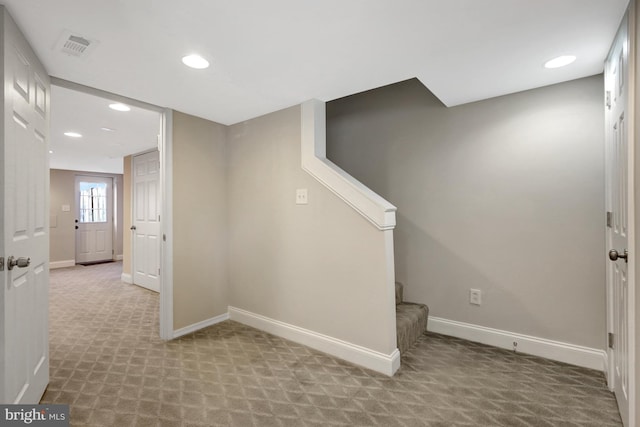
{"type": "Point", "coordinates": [126, 216]}
{"type": "Point", "coordinates": [318, 266]}
{"type": "Point", "coordinates": [62, 243]}
{"type": "Point", "coordinates": [199, 220]}
{"type": "Point", "coordinates": [504, 195]}
{"type": "Point", "coordinates": [62, 188]}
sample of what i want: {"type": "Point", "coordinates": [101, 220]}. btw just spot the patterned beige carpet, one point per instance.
{"type": "Point", "coordinates": [108, 363]}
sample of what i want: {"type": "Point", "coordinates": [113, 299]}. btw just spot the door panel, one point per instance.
{"type": "Point", "coordinates": [24, 362]}
{"type": "Point", "coordinates": [617, 202]}
{"type": "Point", "coordinates": [146, 221]}
{"type": "Point", "coordinates": [94, 205]}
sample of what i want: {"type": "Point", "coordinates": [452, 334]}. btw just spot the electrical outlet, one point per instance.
{"type": "Point", "coordinates": [301, 196]}
{"type": "Point", "coordinates": [475, 296]}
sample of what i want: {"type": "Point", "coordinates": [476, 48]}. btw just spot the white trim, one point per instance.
{"type": "Point", "coordinates": [200, 325]}
{"type": "Point", "coordinates": [62, 264]}
{"type": "Point", "coordinates": [126, 278]}
{"type": "Point", "coordinates": [166, 227]}
{"type": "Point", "coordinates": [562, 352]}
{"type": "Point", "coordinates": [386, 364]}
{"type": "Point", "coordinates": [377, 210]}
{"type": "Point", "coordinates": [119, 257]}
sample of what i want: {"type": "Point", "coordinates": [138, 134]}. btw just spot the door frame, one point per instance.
{"type": "Point", "coordinates": [165, 147]}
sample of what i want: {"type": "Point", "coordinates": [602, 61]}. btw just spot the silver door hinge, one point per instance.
{"type": "Point", "coordinates": [608, 99]}
{"type": "Point", "coordinates": [1, 263]}
{"type": "Point", "coordinates": [610, 339]}
{"type": "Point", "coordinates": [609, 219]}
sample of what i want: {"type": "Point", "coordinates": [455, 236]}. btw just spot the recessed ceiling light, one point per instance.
{"type": "Point", "coordinates": [119, 107]}
{"type": "Point", "coordinates": [195, 61]}
{"type": "Point", "coordinates": [560, 61]}
{"type": "Point", "coordinates": [73, 134]}
{"type": "Point", "coordinates": [50, 151]}
{"type": "Point", "coordinates": [108, 129]}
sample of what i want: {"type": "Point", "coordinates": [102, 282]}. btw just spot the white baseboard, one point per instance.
{"type": "Point", "coordinates": [62, 264]}
{"type": "Point", "coordinates": [126, 278]}
{"type": "Point", "coordinates": [562, 352]}
{"type": "Point", "coordinates": [119, 257]}
{"type": "Point", "coordinates": [200, 325]}
{"type": "Point", "coordinates": [386, 364]}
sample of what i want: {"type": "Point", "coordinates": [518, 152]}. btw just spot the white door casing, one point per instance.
{"type": "Point", "coordinates": [146, 220]}
{"type": "Point", "coordinates": [24, 226]}
{"type": "Point", "coordinates": [618, 176]}
{"type": "Point", "coordinates": [94, 219]}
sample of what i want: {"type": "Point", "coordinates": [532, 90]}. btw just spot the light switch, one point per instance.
{"type": "Point", "coordinates": [301, 196]}
{"type": "Point", "coordinates": [66, 208]}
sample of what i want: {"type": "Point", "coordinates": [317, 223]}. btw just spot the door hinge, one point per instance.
{"type": "Point", "coordinates": [158, 272]}
{"type": "Point", "coordinates": [610, 339]}
{"type": "Point", "coordinates": [608, 99]}
{"type": "Point", "coordinates": [1, 263]}
{"type": "Point", "coordinates": [609, 219]}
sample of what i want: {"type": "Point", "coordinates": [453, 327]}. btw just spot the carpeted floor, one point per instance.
{"type": "Point", "coordinates": [108, 363]}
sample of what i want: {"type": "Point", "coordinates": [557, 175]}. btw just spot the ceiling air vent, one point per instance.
{"type": "Point", "coordinates": [75, 44]}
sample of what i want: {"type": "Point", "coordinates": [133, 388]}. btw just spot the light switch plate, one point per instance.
{"type": "Point", "coordinates": [301, 196]}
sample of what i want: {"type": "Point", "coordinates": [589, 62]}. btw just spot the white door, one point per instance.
{"type": "Point", "coordinates": [94, 219]}
{"type": "Point", "coordinates": [24, 226]}
{"type": "Point", "coordinates": [146, 220]}
{"type": "Point", "coordinates": [617, 188]}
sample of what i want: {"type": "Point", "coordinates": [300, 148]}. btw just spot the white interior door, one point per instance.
{"type": "Point", "coordinates": [146, 220]}
{"type": "Point", "coordinates": [618, 177]}
{"type": "Point", "coordinates": [24, 226]}
{"type": "Point", "coordinates": [94, 219]}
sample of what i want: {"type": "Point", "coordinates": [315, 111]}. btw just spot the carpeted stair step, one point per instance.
{"type": "Point", "coordinates": [411, 320]}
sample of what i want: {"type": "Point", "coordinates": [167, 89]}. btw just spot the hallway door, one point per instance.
{"type": "Point", "coordinates": [24, 223]}
{"type": "Point", "coordinates": [146, 220]}
{"type": "Point", "coordinates": [618, 177]}
{"type": "Point", "coordinates": [94, 219]}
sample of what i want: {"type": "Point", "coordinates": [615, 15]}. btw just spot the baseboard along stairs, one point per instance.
{"type": "Point", "coordinates": [411, 320]}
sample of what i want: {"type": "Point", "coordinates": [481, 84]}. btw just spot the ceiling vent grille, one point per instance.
{"type": "Point", "coordinates": [75, 44]}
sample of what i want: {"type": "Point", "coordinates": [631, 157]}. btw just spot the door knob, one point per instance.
{"type": "Point", "coordinates": [133, 227]}
{"type": "Point", "coordinates": [21, 262]}
{"type": "Point", "coordinates": [614, 255]}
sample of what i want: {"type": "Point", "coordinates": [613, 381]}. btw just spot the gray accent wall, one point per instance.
{"type": "Point", "coordinates": [504, 195]}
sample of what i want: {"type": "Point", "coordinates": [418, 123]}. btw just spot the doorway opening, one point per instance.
{"type": "Point", "coordinates": [95, 137]}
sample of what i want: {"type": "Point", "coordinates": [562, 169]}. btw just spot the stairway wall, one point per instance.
{"type": "Point", "coordinates": [319, 266]}
{"type": "Point", "coordinates": [504, 195]}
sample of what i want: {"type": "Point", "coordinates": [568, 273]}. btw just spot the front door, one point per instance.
{"type": "Point", "coordinates": [617, 190]}
{"type": "Point", "coordinates": [24, 225]}
{"type": "Point", "coordinates": [94, 219]}
{"type": "Point", "coordinates": [146, 220]}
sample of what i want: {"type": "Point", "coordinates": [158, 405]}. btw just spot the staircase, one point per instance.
{"type": "Point", "coordinates": [411, 320]}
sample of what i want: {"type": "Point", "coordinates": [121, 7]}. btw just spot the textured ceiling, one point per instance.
{"type": "Point", "coordinates": [267, 55]}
